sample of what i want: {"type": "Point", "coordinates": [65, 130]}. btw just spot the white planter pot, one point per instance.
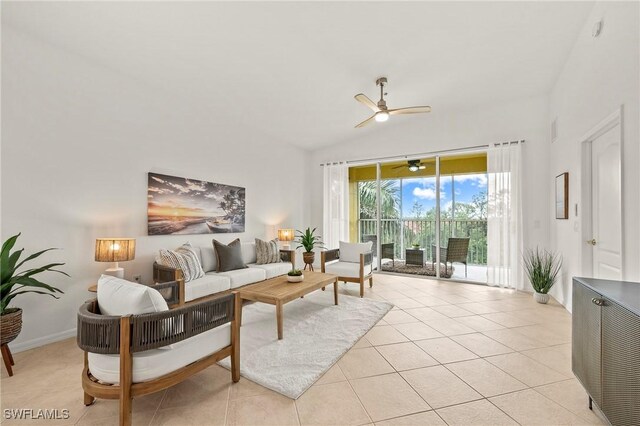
{"type": "Point", "coordinates": [295, 279]}
{"type": "Point", "coordinates": [540, 297]}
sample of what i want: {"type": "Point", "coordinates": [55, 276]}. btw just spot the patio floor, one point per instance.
{"type": "Point", "coordinates": [475, 273]}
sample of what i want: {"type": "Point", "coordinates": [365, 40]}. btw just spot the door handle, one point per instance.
{"type": "Point", "coordinates": [592, 241]}
{"type": "Point", "coordinates": [596, 301]}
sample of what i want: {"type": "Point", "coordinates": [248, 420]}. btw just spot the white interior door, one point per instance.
{"type": "Point", "coordinates": [606, 202]}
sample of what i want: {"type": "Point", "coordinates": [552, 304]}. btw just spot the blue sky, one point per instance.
{"type": "Point", "coordinates": [423, 190]}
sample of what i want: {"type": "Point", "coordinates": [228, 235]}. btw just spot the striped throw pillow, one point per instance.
{"type": "Point", "coordinates": [267, 252]}
{"type": "Point", "coordinates": [184, 258]}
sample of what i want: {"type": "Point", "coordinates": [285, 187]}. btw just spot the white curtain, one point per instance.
{"type": "Point", "coordinates": [336, 205]}
{"type": "Point", "coordinates": [504, 216]}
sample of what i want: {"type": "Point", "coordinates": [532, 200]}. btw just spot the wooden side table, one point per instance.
{"type": "Point", "coordinates": [93, 288]}
{"type": "Point", "coordinates": [414, 257]}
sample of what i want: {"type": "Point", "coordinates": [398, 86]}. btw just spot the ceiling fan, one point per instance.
{"type": "Point", "coordinates": [381, 112]}
{"type": "Point", "coordinates": [413, 165]}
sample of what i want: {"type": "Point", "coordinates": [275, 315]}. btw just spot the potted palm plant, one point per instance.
{"type": "Point", "coordinates": [542, 268]}
{"type": "Point", "coordinates": [308, 240]}
{"type": "Point", "coordinates": [15, 283]}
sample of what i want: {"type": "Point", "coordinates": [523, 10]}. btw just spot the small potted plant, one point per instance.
{"type": "Point", "coordinates": [415, 246]}
{"type": "Point", "coordinates": [15, 283]}
{"type": "Point", "coordinates": [542, 268]}
{"type": "Point", "coordinates": [295, 276]}
{"type": "Point", "coordinates": [309, 240]}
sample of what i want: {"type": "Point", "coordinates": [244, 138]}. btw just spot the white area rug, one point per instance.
{"type": "Point", "coordinates": [316, 334]}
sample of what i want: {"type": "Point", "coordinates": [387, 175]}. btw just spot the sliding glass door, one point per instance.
{"type": "Point", "coordinates": [424, 216]}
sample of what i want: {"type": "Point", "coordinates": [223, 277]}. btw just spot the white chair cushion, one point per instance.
{"type": "Point", "coordinates": [249, 252]}
{"type": "Point", "coordinates": [240, 277]}
{"type": "Point", "coordinates": [273, 269]}
{"type": "Point", "coordinates": [350, 252]}
{"type": "Point", "coordinates": [149, 365]}
{"type": "Point", "coordinates": [346, 269]}
{"type": "Point", "coordinates": [211, 283]}
{"type": "Point", "coordinates": [120, 297]}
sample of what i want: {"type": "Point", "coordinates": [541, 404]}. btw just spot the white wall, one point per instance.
{"type": "Point", "coordinates": [443, 130]}
{"type": "Point", "coordinates": [600, 75]}
{"type": "Point", "coordinates": [78, 140]}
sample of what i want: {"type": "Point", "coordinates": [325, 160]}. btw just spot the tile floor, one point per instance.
{"type": "Point", "coordinates": [448, 353]}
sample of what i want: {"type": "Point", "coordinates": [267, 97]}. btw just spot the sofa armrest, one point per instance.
{"type": "Point", "coordinates": [170, 290]}
{"type": "Point", "coordinates": [287, 255]}
{"type": "Point", "coordinates": [328, 256]}
{"type": "Point", "coordinates": [162, 274]}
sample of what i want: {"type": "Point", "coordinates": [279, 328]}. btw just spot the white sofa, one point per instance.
{"type": "Point", "coordinates": [214, 282]}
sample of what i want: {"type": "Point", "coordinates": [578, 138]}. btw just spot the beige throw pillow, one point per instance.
{"type": "Point", "coordinates": [184, 258]}
{"type": "Point", "coordinates": [267, 252]}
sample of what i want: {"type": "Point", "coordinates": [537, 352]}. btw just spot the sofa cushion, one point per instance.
{"type": "Point", "coordinates": [229, 256]}
{"type": "Point", "coordinates": [184, 258]}
{"type": "Point", "coordinates": [267, 252]}
{"type": "Point", "coordinates": [211, 283]}
{"type": "Point", "coordinates": [120, 297]}
{"type": "Point", "coordinates": [151, 364]}
{"type": "Point", "coordinates": [208, 259]}
{"type": "Point", "coordinates": [350, 252]}
{"type": "Point", "coordinates": [346, 269]}
{"type": "Point", "coordinates": [249, 252]}
{"type": "Point", "coordinates": [241, 277]}
{"type": "Point", "coordinates": [273, 269]}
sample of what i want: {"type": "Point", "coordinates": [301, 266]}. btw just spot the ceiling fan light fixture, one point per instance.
{"type": "Point", "coordinates": [382, 116]}
{"type": "Point", "coordinates": [414, 168]}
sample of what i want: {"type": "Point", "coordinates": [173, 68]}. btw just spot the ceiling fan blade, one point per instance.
{"type": "Point", "coordinates": [363, 99]}
{"type": "Point", "coordinates": [410, 110]}
{"type": "Point", "coordinates": [365, 122]}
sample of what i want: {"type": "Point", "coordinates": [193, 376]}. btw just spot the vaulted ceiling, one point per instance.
{"type": "Point", "coordinates": [291, 70]}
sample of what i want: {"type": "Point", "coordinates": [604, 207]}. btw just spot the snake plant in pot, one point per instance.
{"type": "Point", "coordinates": [15, 283]}
{"type": "Point", "coordinates": [542, 268]}
{"type": "Point", "coordinates": [309, 240]}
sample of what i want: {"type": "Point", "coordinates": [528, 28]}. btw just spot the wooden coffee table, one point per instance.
{"type": "Point", "coordinates": [277, 291]}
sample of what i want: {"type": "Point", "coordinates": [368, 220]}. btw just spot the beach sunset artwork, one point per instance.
{"type": "Point", "coordinates": [177, 205]}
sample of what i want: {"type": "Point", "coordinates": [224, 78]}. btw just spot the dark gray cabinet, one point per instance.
{"type": "Point", "coordinates": [606, 346]}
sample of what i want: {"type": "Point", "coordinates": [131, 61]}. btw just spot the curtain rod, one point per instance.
{"type": "Point", "coordinates": [424, 154]}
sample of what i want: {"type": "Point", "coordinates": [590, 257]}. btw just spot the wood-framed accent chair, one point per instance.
{"type": "Point", "coordinates": [456, 251]}
{"type": "Point", "coordinates": [168, 347]}
{"type": "Point", "coordinates": [349, 271]}
{"type": "Point", "coordinates": [388, 249]}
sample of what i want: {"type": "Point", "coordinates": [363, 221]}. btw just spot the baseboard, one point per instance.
{"type": "Point", "coordinates": [41, 341]}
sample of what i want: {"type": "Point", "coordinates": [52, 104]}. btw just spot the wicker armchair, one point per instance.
{"type": "Point", "coordinates": [456, 251]}
{"type": "Point", "coordinates": [388, 249]}
{"type": "Point", "coordinates": [348, 271]}
{"type": "Point", "coordinates": [126, 336]}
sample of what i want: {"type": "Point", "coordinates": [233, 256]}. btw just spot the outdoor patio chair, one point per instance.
{"type": "Point", "coordinates": [456, 251]}
{"type": "Point", "coordinates": [388, 249]}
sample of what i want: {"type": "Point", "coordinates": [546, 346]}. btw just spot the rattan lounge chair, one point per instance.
{"type": "Point", "coordinates": [456, 251]}
{"type": "Point", "coordinates": [134, 355]}
{"type": "Point", "coordinates": [388, 249]}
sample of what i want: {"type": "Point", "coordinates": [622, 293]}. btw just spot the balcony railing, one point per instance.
{"type": "Point", "coordinates": [406, 232]}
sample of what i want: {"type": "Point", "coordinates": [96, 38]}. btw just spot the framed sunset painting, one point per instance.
{"type": "Point", "coordinates": [178, 205]}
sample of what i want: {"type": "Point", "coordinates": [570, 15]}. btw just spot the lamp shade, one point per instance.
{"type": "Point", "coordinates": [115, 249]}
{"type": "Point", "coordinates": [285, 234]}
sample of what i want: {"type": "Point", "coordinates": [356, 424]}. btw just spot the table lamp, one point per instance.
{"type": "Point", "coordinates": [115, 250]}
{"type": "Point", "coordinates": [285, 235]}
